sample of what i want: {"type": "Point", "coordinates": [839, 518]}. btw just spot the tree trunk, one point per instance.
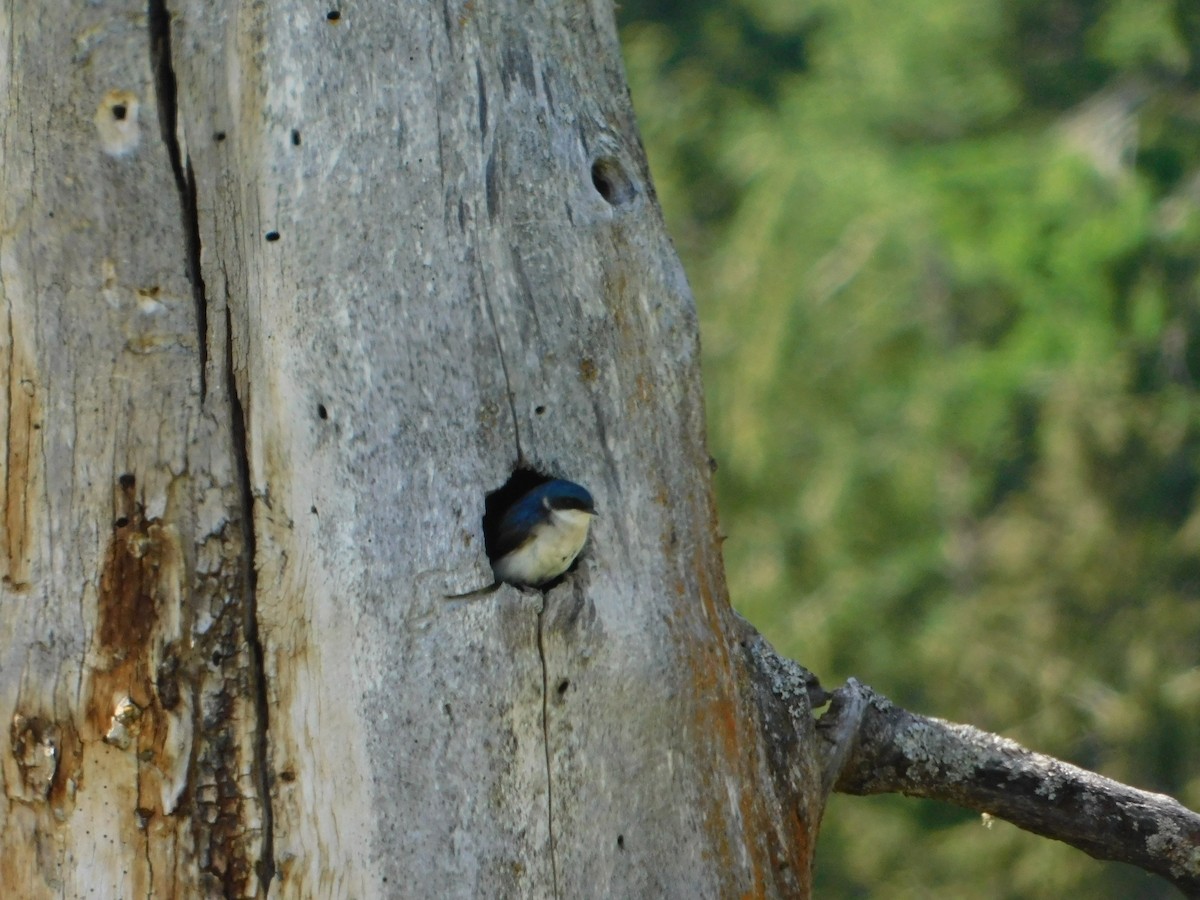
{"type": "Point", "coordinates": [289, 290]}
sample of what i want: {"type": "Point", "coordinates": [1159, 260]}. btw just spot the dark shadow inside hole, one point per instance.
{"type": "Point", "coordinates": [322, 412]}
{"type": "Point", "coordinates": [295, 137]}
{"type": "Point", "coordinates": [612, 182]}
{"type": "Point", "coordinates": [119, 111]}
{"type": "Point", "coordinates": [497, 503]}
{"type": "Point", "coordinates": [333, 15]}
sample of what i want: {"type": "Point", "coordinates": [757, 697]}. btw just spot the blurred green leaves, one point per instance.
{"type": "Point", "coordinates": [947, 258]}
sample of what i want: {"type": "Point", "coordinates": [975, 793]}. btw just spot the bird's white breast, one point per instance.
{"type": "Point", "coordinates": [553, 548]}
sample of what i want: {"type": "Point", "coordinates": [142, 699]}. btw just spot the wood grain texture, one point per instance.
{"type": "Point", "coordinates": [122, 610]}
{"type": "Point", "coordinates": [892, 750]}
{"type": "Point", "coordinates": [387, 256]}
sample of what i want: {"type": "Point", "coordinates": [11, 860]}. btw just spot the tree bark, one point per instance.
{"type": "Point", "coordinates": [289, 290]}
{"type": "Point", "coordinates": [881, 748]}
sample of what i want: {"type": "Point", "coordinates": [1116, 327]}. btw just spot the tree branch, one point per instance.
{"type": "Point", "coordinates": [874, 747]}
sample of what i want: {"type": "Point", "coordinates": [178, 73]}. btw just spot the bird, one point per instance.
{"type": "Point", "coordinates": [539, 536]}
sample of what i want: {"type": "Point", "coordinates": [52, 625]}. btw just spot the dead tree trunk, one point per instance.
{"type": "Point", "coordinates": [288, 290]}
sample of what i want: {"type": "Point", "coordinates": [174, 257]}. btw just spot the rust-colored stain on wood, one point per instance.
{"type": "Point", "coordinates": [141, 681]}
{"type": "Point", "coordinates": [142, 569]}
{"type": "Point", "coordinates": [47, 754]}
{"type": "Point", "coordinates": [24, 443]}
{"type": "Point", "coordinates": [778, 851]}
{"type": "Point", "coordinates": [717, 715]}
{"type": "Point", "coordinates": [127, 611]}
{"type": "Point", "coordinates": [125, 708]}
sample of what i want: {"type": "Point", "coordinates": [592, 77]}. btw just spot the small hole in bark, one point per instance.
{"type": "Point", "coordinates": [216, 657]}
{"type": "Point", "coordinates": [621, 841]}
{"type": "Point", "coordinates": [219, 136]}
{"type": "Point", "coordinates": [313, 510]}
{"type": "Point", "coordinates": [121, 522]}
{"type": "Point", "coordinates": [539, 410]}
{"type": "Point", "coordinates": [272, 235]}
{"type": "Point", "coordinates": [118, 111]}
{"type": "Point", "coordinates": [295, 138]}
{"type": "Point", "coordinates": [611, 181]}
{"type": "Point", "coordinates": [322, 412]}
{"type": "Point", "coordinates": [563, 685]}
{"type": "Point", "coordinates": [127, 481]}
{"type": "Point", "coordinates": [333, 15]}
{"type": "Point", "coordinates": [287, 775]}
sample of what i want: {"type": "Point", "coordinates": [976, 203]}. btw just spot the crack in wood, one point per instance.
{"type": "Point", "coordinates": [159, 24]}
{"type": "Point", "coordinates": [541, 622]}
{"type": "Point", "coordinates": [258, 676]}
{"type": "Point", "coordinates": [508, 391]}
{"type": "Point", "coordinates": [159, 20]}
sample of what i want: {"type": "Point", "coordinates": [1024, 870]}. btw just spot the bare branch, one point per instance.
{"type": "Point", "coordinates": [890, 750]}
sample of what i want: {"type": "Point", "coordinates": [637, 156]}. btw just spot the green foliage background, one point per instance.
{"type": "Point", "coordinates": [946, 255]}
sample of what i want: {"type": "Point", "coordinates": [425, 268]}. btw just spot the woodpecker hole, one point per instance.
{"type": "Point", "coordinates": [333, 15]}
{"type": "Point", "coordinates": [117, 122]}
{"type": "Point", "coordinates": [322, 412]}
{"type": "Point", "coordinates": [121, 522]}
{"type": "Point", "coordinates": [272, 235]}
{"type": "Point", "coordinates": [295, 137]}
{"type": "Point", "coordinates": [621, 841]}
{"type": "Point", "coordinates": [219, 136]}
{"type": "Point", "coordinates": [563, 685]}
{"type": "Point", "coordinates": [127, 481]}
{"type": "Point", "coordinates": [612, 182]}
{"type": "Point", "coordinates": [540, 410]}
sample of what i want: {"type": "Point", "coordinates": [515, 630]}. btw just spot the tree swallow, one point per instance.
{"type": "Point", "coordinates": [539, 536]}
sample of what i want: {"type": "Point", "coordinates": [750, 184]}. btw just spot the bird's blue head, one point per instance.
{"type": "Point", "coordinates": [559, 494]}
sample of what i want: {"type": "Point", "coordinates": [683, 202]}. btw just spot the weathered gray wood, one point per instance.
{"type": "Point", "coordinates": [892, 750]}
{"type": "Point", "coordinates": [122, 645]}
{"type": "Point", "coordinates": [366, 266]}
